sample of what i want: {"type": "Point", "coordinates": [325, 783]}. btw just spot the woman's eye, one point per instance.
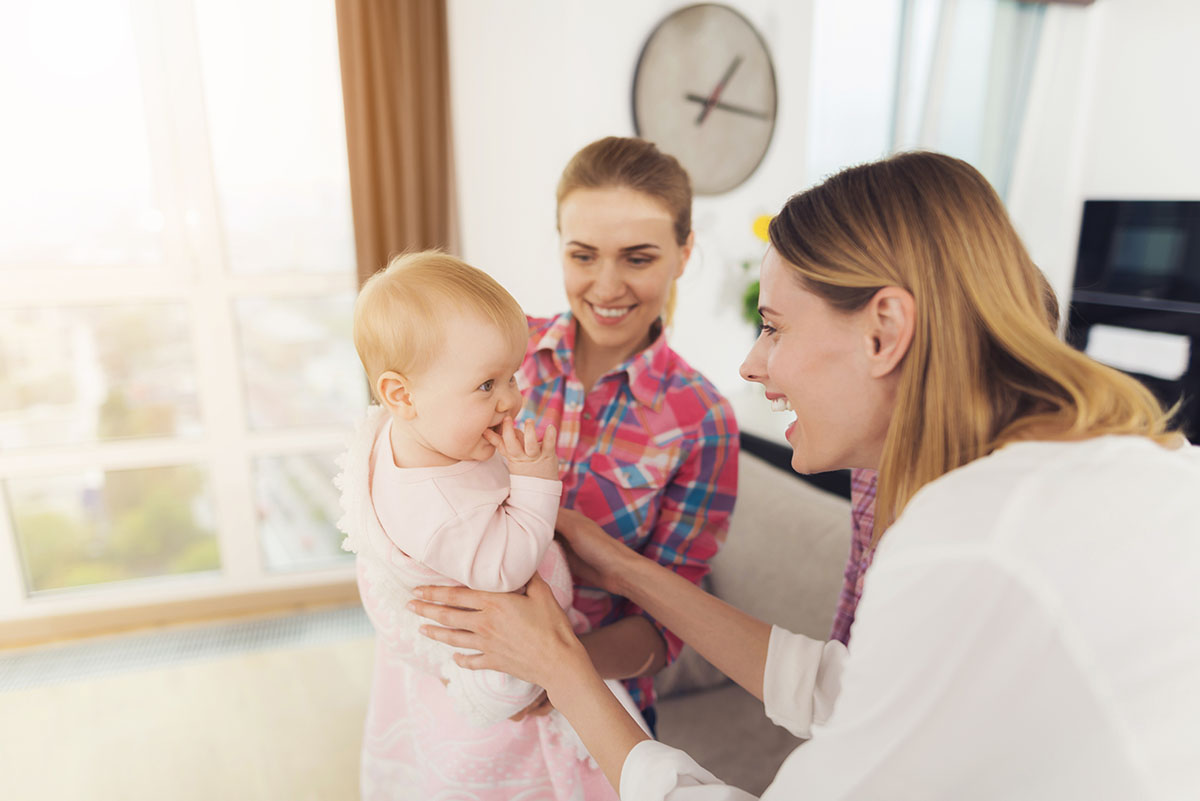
{"type": "Point", "coordinates": [640, 261]}
{"type": "Point", "coordinates": [582, 258]}
{"type": "Point", "coordinates": [486, 386]}
{"type": "Point", "coordinates": [766, 328]}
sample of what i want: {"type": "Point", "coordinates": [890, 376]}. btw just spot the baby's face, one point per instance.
{"type": "Point", "coordinates": [469, 387]}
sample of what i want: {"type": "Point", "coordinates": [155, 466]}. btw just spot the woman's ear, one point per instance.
{"type": "Point", "coordinates": [890, 318]}
{"type": "Point", "coordinates": [394, 392]}
{"type": "Point", "coordinates": [685, 252]}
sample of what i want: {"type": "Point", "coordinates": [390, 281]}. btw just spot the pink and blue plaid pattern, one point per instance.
{"type": "Point", "coordinates": [863, 484]}
{"type": "Point", "coordinates": [650, 454]}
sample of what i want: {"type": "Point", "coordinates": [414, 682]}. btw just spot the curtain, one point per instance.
{"type": "Point", "coordinates": [396, 90]}
{"type": "Point", "coordinates": [963, 80]}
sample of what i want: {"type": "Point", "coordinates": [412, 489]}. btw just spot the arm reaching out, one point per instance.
{"type": "Point", "coordinates": [733, 641]}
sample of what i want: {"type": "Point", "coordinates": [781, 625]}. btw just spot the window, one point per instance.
{"type": "Point", "coordinates": [939, 74]}
{"type": "Point", "coordinates": [176, 282]}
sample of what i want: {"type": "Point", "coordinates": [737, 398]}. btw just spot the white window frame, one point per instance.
{"type": "Point", "coordinates": [168, 57]}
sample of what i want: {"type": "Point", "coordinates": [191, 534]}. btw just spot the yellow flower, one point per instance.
{"type": "Point", "coordinates": [760, 226]}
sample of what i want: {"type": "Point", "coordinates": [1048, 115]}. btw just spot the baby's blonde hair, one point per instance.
{"type": "Point", "coordinates": [401, 310]}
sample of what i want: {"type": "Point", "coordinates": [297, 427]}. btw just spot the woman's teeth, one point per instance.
{"type": "Point", "coordinates": [601, 311]}
{"type": "Point", "coordinates": [781, 405]}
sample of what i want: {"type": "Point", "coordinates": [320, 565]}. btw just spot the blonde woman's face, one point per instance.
{"type": "Point", "coordinates": [812, 361]}
{"type": "Point", "coordinates": [620, 259]}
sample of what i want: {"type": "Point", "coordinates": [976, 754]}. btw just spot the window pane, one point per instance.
{"type": "Point", "coordinates": [102, 527]}
{"type": "Point", "coordinates": [78, 375]}
{"type": "Point", "coordinates": [298, 510]}
{"type": "Point", "coordinates": [852, 87]}
{"type": "Point", "coordinates": [298, 361]}
{"type": "Point", "coordinates": [273, 94]}
{"type": "Point", "coordinates": [77, 185]}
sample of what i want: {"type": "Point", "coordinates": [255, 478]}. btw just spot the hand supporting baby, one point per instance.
{"type": "Point", "coordinates": [525, 455]}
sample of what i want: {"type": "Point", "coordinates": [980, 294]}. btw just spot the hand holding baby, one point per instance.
{"type": "Point", "coordinates": [524, 454]}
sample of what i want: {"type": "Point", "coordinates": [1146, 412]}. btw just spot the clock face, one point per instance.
{"type": "Point", "coordinates": [704, 92]}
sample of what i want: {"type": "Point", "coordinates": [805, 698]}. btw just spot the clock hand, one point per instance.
{"type": "Point", "coordinates": [759, 115]}
{"type": "Point", "coordinates": [720, 87]}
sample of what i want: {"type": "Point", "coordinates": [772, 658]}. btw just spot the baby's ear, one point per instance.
{"type": "Point", "coordinates": [394, 393]}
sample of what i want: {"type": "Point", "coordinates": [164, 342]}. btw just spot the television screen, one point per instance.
{"type": "Point", "coordinates": [1147, 249]}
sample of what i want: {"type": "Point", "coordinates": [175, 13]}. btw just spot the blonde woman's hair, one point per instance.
{"type": "Point", "coordinates": [629, 163]}
{"type": "Point", "coordinates": [984, 367]}
{"type": "Point", "coordinates": [401, 311]}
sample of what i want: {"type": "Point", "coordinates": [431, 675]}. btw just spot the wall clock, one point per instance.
{"type": "Point", "coordinates": [704, 91]}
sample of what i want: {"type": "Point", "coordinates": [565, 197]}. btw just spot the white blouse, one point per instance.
{"type": "Point", "coordinates": [1030, 629]}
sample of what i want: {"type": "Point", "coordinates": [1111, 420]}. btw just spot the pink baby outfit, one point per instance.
{"type": "Point", "coordinates": [435, 730]}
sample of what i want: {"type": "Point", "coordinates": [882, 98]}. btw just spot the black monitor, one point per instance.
{"type": "Point", "coordinates": [1138, 267]}
{"type": "Point", "coordinates": [1140, 253]}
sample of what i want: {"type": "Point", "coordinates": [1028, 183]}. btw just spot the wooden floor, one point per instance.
{"type": "Point", "coordinates": [277, 725]}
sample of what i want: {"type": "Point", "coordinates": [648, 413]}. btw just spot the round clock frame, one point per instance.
{"type": "Point", "coordinates": [704, 91]}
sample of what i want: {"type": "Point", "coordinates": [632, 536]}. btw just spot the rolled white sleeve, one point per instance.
{"type": "Point", "coordinates": [801, 680]}
{"type": "Point", "coordinates": [800, 684]}
{"type": "Point", "coordinates": [657, 772]}
{"type": "Point", "coordinates": [917, 711]}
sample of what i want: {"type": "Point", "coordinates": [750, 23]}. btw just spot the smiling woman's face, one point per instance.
{"type": "Point", "coordinates": [813, 361]}
{"type": "Point", "coordinates": [619, 258]}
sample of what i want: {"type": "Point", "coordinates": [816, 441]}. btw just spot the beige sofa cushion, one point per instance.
{"type": "Point", "coordinates": [787, 547]}
{"type": "Point", "coordinates": [782, 562]}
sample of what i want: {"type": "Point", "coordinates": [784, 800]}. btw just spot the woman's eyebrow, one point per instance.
{"type": "Point", "coordinates": [578, 244]}
{"type": "Point", "coordinates": [765, 310]}
{"type": "Point", "coordinates": [642, 246]}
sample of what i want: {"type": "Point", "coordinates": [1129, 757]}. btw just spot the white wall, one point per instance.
{"type": "Point", "coordinates": [1114, 113]}
{"type": "Point", "coordinates": [534, 81]}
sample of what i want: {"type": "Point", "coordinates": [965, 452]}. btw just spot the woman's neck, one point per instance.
{"type": "Point", "coordinates": [593, 361]}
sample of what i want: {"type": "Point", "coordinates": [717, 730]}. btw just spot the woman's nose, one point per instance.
{"type": "Point", "coordinates": [608, 284]}
{"type": "Point", "coordinates": [754, 368]}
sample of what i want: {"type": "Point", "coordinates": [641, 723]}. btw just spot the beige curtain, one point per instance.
{"type": "Point", "coordinates": [396, 89]}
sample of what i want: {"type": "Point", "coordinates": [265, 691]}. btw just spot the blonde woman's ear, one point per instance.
{"type": "Point", "coordinates": [890, 321]}
{"type": "Point", "coordinates": [688, 245]}
{"type": "Point", "coordinates": [395, 393]}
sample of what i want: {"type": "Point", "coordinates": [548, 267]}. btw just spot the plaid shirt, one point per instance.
{"type": "Point", "coordinates": [862, 519]}
{"type": "Point", "coordinates": [649, 453]}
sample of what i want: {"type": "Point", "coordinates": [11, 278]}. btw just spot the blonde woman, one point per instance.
{"type": "Point", "coordinates": [1029, 627]}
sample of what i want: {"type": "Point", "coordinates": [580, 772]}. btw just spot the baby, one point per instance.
{"type": "Point", "coordinates": [438, 488]}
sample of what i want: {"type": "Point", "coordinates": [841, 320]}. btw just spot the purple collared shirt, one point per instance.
{"type": "Point", "coordinates": [862, 519]}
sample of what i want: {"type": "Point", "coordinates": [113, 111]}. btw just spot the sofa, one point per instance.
{"type": "Point", "coordinates": [782, 562]}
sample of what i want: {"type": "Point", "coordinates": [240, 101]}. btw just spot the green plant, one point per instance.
{"type": "Point", "coordinates": [750, 305]}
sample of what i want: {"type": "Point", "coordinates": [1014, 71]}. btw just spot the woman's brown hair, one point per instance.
{"type": "Point", "coordinates": [624, 162]}
{"type": "Point", "coordinates": [984, 368]}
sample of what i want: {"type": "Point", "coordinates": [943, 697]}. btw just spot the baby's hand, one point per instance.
{"type": "Point", "coordinates": [527, 457]}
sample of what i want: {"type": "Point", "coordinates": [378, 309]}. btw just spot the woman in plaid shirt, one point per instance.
{"type": "Point", "coordinates": [647, 446]}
